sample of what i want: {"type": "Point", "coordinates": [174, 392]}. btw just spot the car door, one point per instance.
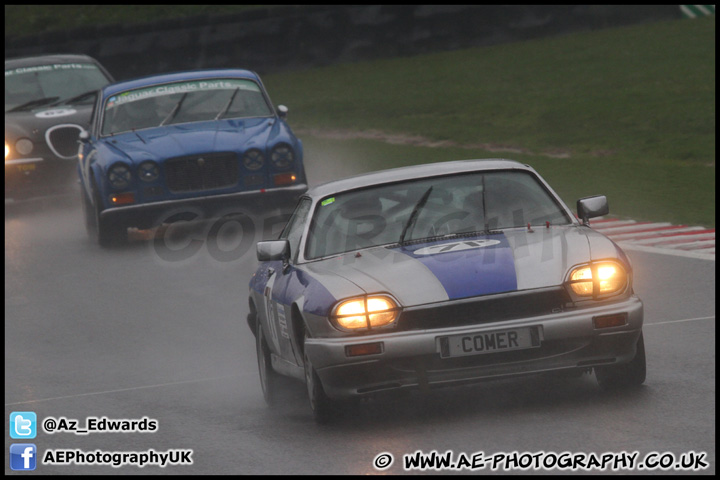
{"type": "Point", "coordinates": [279, 292]}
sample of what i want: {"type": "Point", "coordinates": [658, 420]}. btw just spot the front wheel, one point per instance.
{"type": "Point", "coordinates": [269, 378]}
{"type": "Point", "coordinates": [627, 375]}
{"type": "Point", "coordinates": [324, 409]}
{"type": "Point", "coordinates": [105, 231]}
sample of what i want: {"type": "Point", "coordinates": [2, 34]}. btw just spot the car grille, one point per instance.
{"type": "Point", "coordinates": [63, 140]}
{"type": "Point", "coordinates": [201, 172]}
{"type": "Point", "coordinates": [490, 308]}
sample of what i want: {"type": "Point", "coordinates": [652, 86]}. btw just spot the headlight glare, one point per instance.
{"type": "Point", "coordinates": [364, 313]}
{"type": "Point", "coordinates": [602, 278]}
{"type": "Point", "coordinates": [7, 150]}
{"type": "Point", "coordinates": [119, 175]}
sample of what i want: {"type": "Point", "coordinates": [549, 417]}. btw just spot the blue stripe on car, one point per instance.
{"type": "Point", "coordinates": [469, 267]}
{"type": "Point", "coordinates": [292, 285]}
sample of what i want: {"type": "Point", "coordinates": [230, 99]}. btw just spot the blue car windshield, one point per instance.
{"type": "Point", "coordinates": [430, 208]}
{"type": "Point", "coordinates": [41, 85]}
{"type": "Point", "coordinates": [183, 102]}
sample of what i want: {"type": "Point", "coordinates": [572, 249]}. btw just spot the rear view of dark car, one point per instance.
{"type": "Point", "coordinates": [48, 102]}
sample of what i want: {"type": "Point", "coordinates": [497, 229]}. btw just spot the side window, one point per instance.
{"type": "Point", "coordinates": [295, 226]}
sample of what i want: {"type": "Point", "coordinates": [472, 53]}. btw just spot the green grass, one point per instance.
{"type": "Point", "coordinates": [633, 107]}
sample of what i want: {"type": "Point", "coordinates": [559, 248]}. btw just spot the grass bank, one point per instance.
{"type": "Point", "coordinates": [629, 112]}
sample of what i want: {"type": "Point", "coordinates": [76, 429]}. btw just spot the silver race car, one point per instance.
{"type": "Point", "coordinates": [441, 274]}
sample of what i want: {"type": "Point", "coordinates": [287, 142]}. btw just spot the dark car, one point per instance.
{"type": "Point", "coordinates": [439, 275]}
{"type": "Point", "coordinates": [48, 102]}
{"type": "Point", "coordinates": [186, 145]}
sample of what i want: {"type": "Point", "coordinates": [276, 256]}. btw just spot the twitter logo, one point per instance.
{"type": "Point", "coordinates": [23, 425]}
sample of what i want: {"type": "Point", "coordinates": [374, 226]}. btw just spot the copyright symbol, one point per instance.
{"type": "Point", "coordinates": [49, 425]}
{"type": "Point", "coordinates": [383, 461]}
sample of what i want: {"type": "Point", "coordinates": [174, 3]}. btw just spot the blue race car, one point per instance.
{"type": "Point", "coordinates": [438, 275]}
{"type": "Point", "coordinates": [185, 146]}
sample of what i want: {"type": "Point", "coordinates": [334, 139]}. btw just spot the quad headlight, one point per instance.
{"type": "Point", "coordinates": [119, 176]}
{"type": "Point", "coordinates": [282, 156]}
{"type": "Point", "coordinates": [148, 171]}
{"type": "Point", "coordinates": [598, 279]}
{"type": "Point", "coordinates": [253, 159]}
{"type": "Point", "coordinates": [23, 146]}
{"type": "Point", "coordinates": [364, 313]}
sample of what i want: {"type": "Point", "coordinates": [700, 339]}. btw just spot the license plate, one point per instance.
{"type": "Point", "coordinates": [27, 167]}
{"type": "Point", "coordinates": [489, 342]}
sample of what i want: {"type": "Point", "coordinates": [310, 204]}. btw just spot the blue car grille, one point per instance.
{"type": "Point", "coordinates": [201, 172]}
{"type": "Point", "coordinates": [490, 308]}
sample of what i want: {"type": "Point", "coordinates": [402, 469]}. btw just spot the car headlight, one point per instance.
{"type": "Point", "coordinates": [148, 171]}
{"type": "Point", "coordinates": [253, 159]}
{"type": "Point", "coordinates": [119, 176]}
{"type": "Point", "coordinates": [366, 312]}
{"type": "Point", "coordinates": [24, 146]}
{"type": "Point", "coordinates": [598, 279]}
{"type": "Point", "coordinates": [7, 150]}
{"type": "Point", "coordinates": [282, 156]}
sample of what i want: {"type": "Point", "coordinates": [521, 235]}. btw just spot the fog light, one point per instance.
{"type": "Point", "coordinates": [122, 198]}
{"type": "Point", "coordinates": [364, 349]}
{"type": "Point", "coordinates": [607, 321]}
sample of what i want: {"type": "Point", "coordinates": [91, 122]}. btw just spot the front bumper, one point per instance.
{"type": "Point", "coordinates": [412, 359]}
{"type": "Point", "coordinates": [39, 176]}
{"type": "Point", "coordinates": [147, 215]}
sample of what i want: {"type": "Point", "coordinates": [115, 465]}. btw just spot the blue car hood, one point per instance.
{"type": "Point", "coordinates": [465, 267]}
{"type": "Point", "coordinates": [192, 139]}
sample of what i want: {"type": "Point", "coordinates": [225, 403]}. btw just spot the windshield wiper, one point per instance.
{"type": "Point", "coordinates": [32, 103]}
{"type": "Point", "coordinates": [414, 214]}
{"type": "Point", "coordinates": [174, 111]}
{"type": "Point", "coordinates": [227, 105]}
{"type": "Point", "coordinates": [77, 98]}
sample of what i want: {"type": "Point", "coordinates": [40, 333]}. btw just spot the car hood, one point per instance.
{"type": "Point", "coordinates": [34, 123]}
{"type": "Point", "coordinates": [466, 267]}
{"type": "Point", "coordinates": [191, 139]}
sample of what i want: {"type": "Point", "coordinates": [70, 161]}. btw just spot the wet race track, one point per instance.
{"type": "Point", "coordinates": [157, 330]}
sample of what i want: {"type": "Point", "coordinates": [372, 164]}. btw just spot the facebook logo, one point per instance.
{"type": "Point", "coordinates": [23, 425]}
{"type": "Point", "coordinates": [23, 456]}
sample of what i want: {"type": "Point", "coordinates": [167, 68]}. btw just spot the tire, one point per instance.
{"type": "Point", "coordinates": [269, 378]}
{"type": "Point", "coordinates": [628, 375]}
{"type": "Point", "coordinates": [88, 214]}
{"type": "Point", "coordinates": [104, 231]}
{"type": "Point", "coordinates": [324, 409]}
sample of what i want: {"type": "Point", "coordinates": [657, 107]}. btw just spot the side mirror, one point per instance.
{"type": "Point", "coordinates": [84, 136]}
{"type": "Point", "coordinates": [273, 250]}
{"type": "Point", "coordinates": [590, 207]}
{"type": "Point", "coordinates": [282, 111]}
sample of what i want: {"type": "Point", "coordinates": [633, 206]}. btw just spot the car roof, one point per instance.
{"type": "Point", "coordinates": [178, 76]}
{"type": "Point", "coordinates": [414, 172]}
{"type": "Point", "coordinates": [45, 59]}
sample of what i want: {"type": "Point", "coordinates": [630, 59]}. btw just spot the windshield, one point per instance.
{"type": "Point", "coordinates": [183, 102]}
{"type": "Point", "coordinates": [37, 86]}
{"type": "Point", "coordinates": [430, 208]}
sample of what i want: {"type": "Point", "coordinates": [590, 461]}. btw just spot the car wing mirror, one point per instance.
{"type": "Point", "coordinates": [591, 207]}
{"type": "Point", "coordinates": [273, 250]}
{"type": "Point", "coordinates": [84, 136]}
{"type": "Point", "coordinates": [282, 111]}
